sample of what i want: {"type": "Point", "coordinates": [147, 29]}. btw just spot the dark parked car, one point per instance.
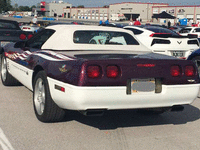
{"type": "Point", "coordinates": [195, 56]}
{"type": "Point", "coordinates": [11, 32]}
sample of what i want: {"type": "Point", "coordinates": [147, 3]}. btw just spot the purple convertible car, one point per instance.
{"type": "Point", "coordinates": [92, 69]}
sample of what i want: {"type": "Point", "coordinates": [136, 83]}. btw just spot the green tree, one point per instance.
{"type": "Point", "coordinates": [32, 7]}
{"type": "Point", "coordinates": [16, 7]}
{"type": "Point", "coordinates": [5, 5]}
{"type": "Point", "coordinates": [24, 8]}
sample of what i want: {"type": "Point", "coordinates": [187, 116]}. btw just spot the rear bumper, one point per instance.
{"type": "Point", "coordinates": [83, 98]}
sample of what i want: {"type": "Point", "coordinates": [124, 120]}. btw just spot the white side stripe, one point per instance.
{"type": "Point", "coordinates": [58, 55]}
{"type": "Point", "coordinates": [47, 57]}
{"type": "Point", "coordinates": [63, 57]}
{"type": "Point", "coordinates": [5, 144]}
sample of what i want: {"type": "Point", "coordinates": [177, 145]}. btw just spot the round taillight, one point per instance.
{"type": "Point", "coordinates": [175, 71]}
{"type": "Point", "coordinates": [22, 36]}
{"type": "Point", "coordinates": [112, 71]}
{"type": "Point", "coordinates": [189, 71]}
{"type": "Point", "coordinates": [30, 36]}
{"type": "Point", "coordinates": [93, 71]}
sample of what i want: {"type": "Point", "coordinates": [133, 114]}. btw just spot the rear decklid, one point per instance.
{"type": "Point", "coordinates": [116, 69]}
{"type": "Point", "coordinates": [176, 43]}
{"type": "Point", "coordinates": [145, 66]}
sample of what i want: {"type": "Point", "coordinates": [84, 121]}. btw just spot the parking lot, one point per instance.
{"type": "Point", "coordinates": [116, 130]}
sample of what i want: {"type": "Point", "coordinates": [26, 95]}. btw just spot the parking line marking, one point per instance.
{"type": "Point", "coordinates": [5, 144]}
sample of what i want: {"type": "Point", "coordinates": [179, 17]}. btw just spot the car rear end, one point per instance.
{"type": "Point", "coordinates": [165, 41]}
{"type": "Point", "coordinates": [178, 47]}
{"type": "Point", "coordinates": [30, 28]}
{"type": "Point", "coordinates": [11, 32]}
{"type": "Point", "coordinates": [138, 81]}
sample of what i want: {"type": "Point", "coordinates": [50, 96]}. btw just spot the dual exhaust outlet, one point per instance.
{"type": "Point", "coordinates": [100, 112]}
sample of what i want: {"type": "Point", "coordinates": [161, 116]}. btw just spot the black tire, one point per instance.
{"type": "Point", "coordinates": [153, 111]}
{"type": "Point", "coordinates": [45, 108]}
{"type": "Point", "coordinates": [6, 78]}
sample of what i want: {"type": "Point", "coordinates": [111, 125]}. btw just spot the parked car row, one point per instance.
{"type": "Point", "coordinates": [178, 41]}
{"type": "Point", "coordinates": [92, 69]}
{"type": "Point", "coordinates": [165, 41]}
{"type": "Point", "coordinates": [11, 32]}
{"type": "Point", "coordinates": [190, 30]}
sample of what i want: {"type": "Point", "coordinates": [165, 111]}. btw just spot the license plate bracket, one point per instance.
{"type": "Point", "coordinates": [149, 85]}
{"type": "Point", "coordinates": [178, 53]}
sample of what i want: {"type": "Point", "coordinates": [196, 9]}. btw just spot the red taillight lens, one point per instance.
{"type": "Point", "coordinates": [146, 65]}
{"type": "Point", "coordinates": [22, 36]}
{"type": "Point", "coordinates": [112, 71]}
{"type": "Point", "coordinates": [189, 71]}
{"type": "Point", "coordinates": [30, 36]}
{"type": "Point", "coordinates": [175, 71]}
{"type": "Point", "coordinates": [93, 71]}
{"type": "Point", "coordinates": [159, 34]}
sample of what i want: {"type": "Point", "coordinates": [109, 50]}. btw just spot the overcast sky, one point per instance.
{"type": "Point", "coordinates": [101, 3]}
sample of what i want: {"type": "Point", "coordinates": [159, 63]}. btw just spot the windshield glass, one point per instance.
{"type": "Point", "coordinates": [7, 25]}
{"type": "Point", "coordinates": [104, 38]}
{"type": "Point", "coordinates": [162, 30]}
{"type": "Point", "coordinates": [186, 30]}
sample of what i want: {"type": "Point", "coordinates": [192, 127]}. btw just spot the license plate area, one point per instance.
{"type": "Point", "coordinates": [142, 85]}
{"type": "Point", "coordinates": [150, 85]}
{"type": "Point", "coordinates": [178, 53]}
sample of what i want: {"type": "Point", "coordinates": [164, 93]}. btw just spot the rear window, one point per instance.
{"type": "Point", "coordinates": [104, 38]}
{"type": "Point", "coordinates": [163, 30]}
{"type": "Point", "coordinates": [135, 31]}
{"type": "Point", "coordinates": [7, 25]}
{"type": "Point", "coordinates": [185, 30]}
{"type": "Point", "coordinates": [197, 30]}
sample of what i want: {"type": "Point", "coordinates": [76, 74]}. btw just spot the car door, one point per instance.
{"type": "Point", "coordinates": [20, 64]}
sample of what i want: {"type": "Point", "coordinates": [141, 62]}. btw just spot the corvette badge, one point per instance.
{"type": "Point", "coordinates": [179, 42]}
{"type": "Point", "coordinates": [63, 69]}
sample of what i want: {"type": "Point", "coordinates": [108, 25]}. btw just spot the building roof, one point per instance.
{"type": "Point", "coordinates": [140, 3]}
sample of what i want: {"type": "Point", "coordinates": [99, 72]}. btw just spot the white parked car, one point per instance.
{"type": "Point", "coordinates": [117, 17]}
{"type": "Point", "coordinates": [190, 30]}
{"type": "Point", "coordinates": [30, 28]}
{"type": "Point", "coordinates": [92, 69]}
{"type": "Point", "coordinates": [165, 41]}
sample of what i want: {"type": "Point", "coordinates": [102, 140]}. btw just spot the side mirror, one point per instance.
{"type": "Point", "coordinates": [19, 44]}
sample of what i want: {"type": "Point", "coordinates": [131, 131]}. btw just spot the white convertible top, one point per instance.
{"type": "Point", "coordinates": [62, 39]}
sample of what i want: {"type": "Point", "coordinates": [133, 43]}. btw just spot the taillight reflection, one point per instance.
{"type": "Point", "coordinates": [112, 71]}
{"type": "Point", "coordinates": [22, 36]}
{"type": "Point", "coordinates": [93, 71]}
{"type": "Point", "coordinates": [30, 36]}
{"type": "Point", "coordinates": [175, 71]}
{"type": "Point", "coordinates": [189, 71]}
